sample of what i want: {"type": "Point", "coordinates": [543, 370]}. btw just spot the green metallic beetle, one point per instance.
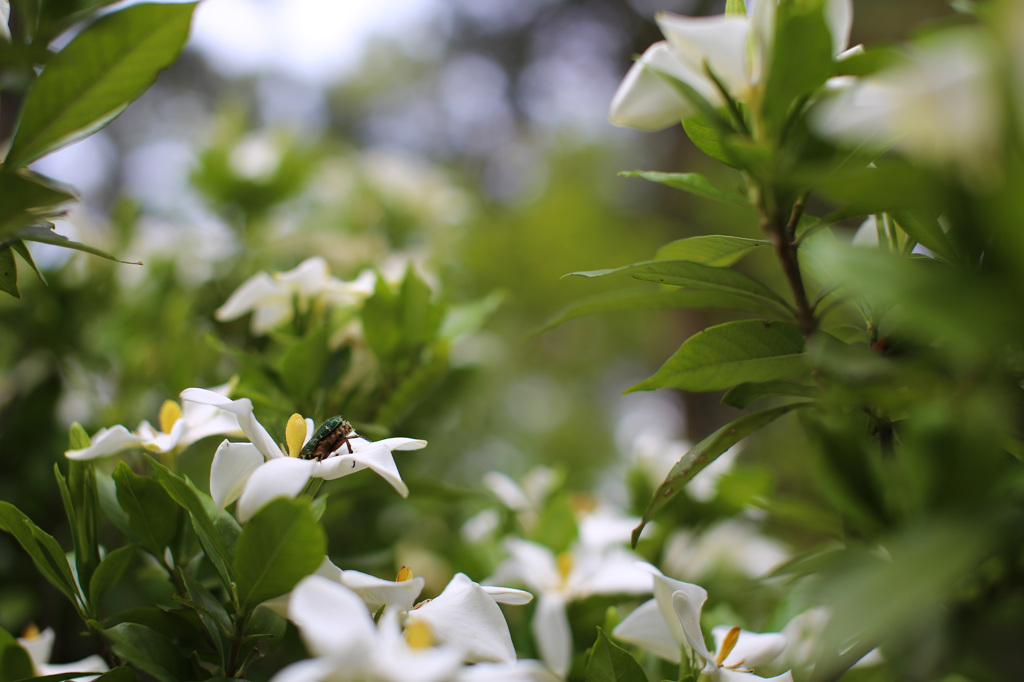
{"type": "Point", "coordinates": [331, 436]}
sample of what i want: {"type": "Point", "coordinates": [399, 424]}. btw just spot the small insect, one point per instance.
{"type": "Point", "coordinates": [331, 435]}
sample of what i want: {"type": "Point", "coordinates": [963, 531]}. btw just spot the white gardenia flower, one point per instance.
{"type": "Point", "coordinates": [736, 49]}
{"type": "Point", "coordinates": [671, 621]}
{"type": "Point", "coordinates": [179, 427]}
{"type": "Point", "coordinates": [5, 18]}
{"type": "Point", "coordinates": [349, 647]}
{"type": "Point", "coordinates": [941, 105]}
{"type": "Point", "coordinates": [557, 580]}
{"type": "Point", "coordinates": [730, 546]}
{"type": "Point", "coordinates": [258, 471]}
{"type": "Point", "coordinates": [272, 298]}
{"type": "Point", "coordinates": [39, 645]}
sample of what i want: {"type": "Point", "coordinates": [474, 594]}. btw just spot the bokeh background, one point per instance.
{"type": "Point", "coordinates": [465, 136]}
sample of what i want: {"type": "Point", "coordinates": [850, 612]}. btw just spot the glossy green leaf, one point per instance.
{"type": "Point", "coordinates": [280, 545]}
{"type": "Point", "coordinates": [304, 364]}
{"type": "Point", "coordinates": [379, 325]}
{"type": "Point", "coordinates": [924, 228]}
{"type": "Point", "coordinates": [121, 673]}
{"type": "Point", "coordinates": [732, 353]}
{"type": "Point", "coordinates": [99, 73]}
{"type": "Point", "coordinates": [78, 437]}
{"type": "Point", "coordinates": [15, 663]}
{"type": "Point", "coordinates": [110, 571]}
{"type": "Point", "coordinates": [45, 552]}
{"type": "Point", "coordinates": [626, 300]}
{"type": "Point", "coordinates": [150, 652]}
{"type": "Point", "coordinates": [85, 497]}
{"type": "Point", "coordinates": [802, 62]}
{"type": "Point", "coordinates": [609, 662]}
{"type": "Point", "coordinates": [697, 276]}
{"type": "Point", "coordinates": [212, 613]}
{"type": "Point", "coordinates": [152, 514]}
{"type": "Point", "coordinates": [83, 534]}
{"type": "Point", "coordinates": [24, 196]}
{"type": "Point", "coordinates": [694, 183]}
{"type": "Point", "coordinates": [704, 453]}
{"type": "Point", "coordinates": [9, 273]}
{"type": "Point", "coordinates": [717, 250]}
{"type": "Point", "coordinates": [45, 235]}
{"type": "Point", "coordinates": [185, 494]}
{"type": "Point", "coordinates": [708, 139]}
{"type": "Point", "coordinates": [744, 394]}
{"type": "Point", "coordinates": [26, 255]}
{"type": "Point", "coordinates": [419, 318]}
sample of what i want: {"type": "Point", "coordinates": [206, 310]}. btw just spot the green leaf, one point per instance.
{"type": "Point", "coordinates": [78, 437]}
{"type": "Point", "coordinates": [82, 486]}
{"type": "Point", "coordinates": [212, 613]}
{"type": "Point", "coordinates": [26, 255]}
{"type": "Point", "coordinates": [419, 319]}
{"type": "Point", "coordinates": [466, 318]}
{"type": "Point", "coordinates": [9, 273]}
{"type": "Point", "coordinates": [121, 673]}
{"type": "Point", "coordinates": [152, 514]}
{"type": "Point", "coordinates": [609, 662]}
{"type": "Point", "coordinates": [716, 250]}
{"type": "Point", "coordinates": [694, 183]}
{"type": "Point", "coordinates": [185, 494]}
{"type": "Point", "coordinates": [736, 7]}
{"type": "Point", "coordinates": [697, 276]}
{"type": "Point", "coordinates": [150, 652]}
{"type": "Point", "coordinates": [305, 363]}
{"type": "Point", "coordinates": [82, 538]}
{"type": "Point", "coordinates": [15, 663]}
{"type": "Point", "coordinates": [708, 139]}
{"type": "Point", "coordinates": [802, 60]}
{"type": "Point", "coordinates": [924, 228]}
{"type": "Point", "coordinates": [651, 299]}
{"type": "Point", "coordinates": [744, 394]}
{"type": "Point", "coordinates": [110, 571]}
{"type": "Point", "coordinates": [25, 196]}
{"type": "Point", "coordinates": [379, 325]}
{"type": "Point", "coordinates": [280, 545]}
{"type": "Point", "coordinates": [46, 235]}
{"type": "Point", "coordinates": [706, 452]}
{"type": "Point", "coordinates": [45, 552]}
{"type": "Point", "coordinates": [732, 353]}
{"type": "Point", "coordinates": [97, 75]}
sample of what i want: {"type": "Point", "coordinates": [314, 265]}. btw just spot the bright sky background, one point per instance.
{"type": "Point", "coordinates": [318, 41]}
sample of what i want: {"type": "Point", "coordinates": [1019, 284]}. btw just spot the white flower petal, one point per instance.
{"type": "Point", "coordinates": [752, 649]}
{"type": "Point", "coordinates": [307, 279]}
{"type": "Point", "coordinates": [107, 442]}
{"type": "Point", "coordinates": [523, 670]}
{"type": "Point", "coordinates": [646, 101]}
{"type": "Point", "coordinates": [39, 647]}
{"type": "Point", "coordinates": [282, 477]}
{"type": "Point", "coordinates": [396, 661]}
{"type": "Point", "coordinates": [529, 563]}
{"type": "Point", "coordinates": [551, 633]}
{"type": "Point", "coordinates": [253, 293]}
{"type": "Point", "coordinates": [646, 628]}
{"type": "Point", "coordinates": [377, 592]}
{"type": "Point", "coordinates": [375, 456]}
{"type": "Point", "coordinates": [687, 605]}
{"type": "Point", "coordinates": [466, 617]}
{"type": "Point", "coordinates": [839, 17]}
{"type": "Point", "coordinates": [310, 670]}
{"type": "Point", "coordinates": [508, 595]}
{"type": "Point", "coordinates": [333, 620]}
{"type": "Point", "coordinates": [233, 464]}
{"type": "Point", "coordinates": [612, 571]}
{"type": "Point", "coordinates": [722, 42]}
{"type": "Point", "coordinates": [243, 410]}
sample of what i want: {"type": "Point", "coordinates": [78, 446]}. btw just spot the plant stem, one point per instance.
{"type": "Point", "coordinates": [236, 645]}
{"type": "Point", "coordinates": [782, 234]}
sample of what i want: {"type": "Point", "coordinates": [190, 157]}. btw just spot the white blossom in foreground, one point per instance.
{"type": "Point", "coordinates": [736, 49]}
{"type": "Point", "coordinates": [557, 580]}
{"type": "Point", "coordinates": [179, 427]}
{"type": "Point", "coordinates": [258, 471]}
{"type": "Point", "coordinates": [273, 298]}
{"type": "Point", "coordinates": [671, 621]}
{"type": "Point", "coordinates": [39, 645]}
{"type": "Point", "coordinates": [940, 105]}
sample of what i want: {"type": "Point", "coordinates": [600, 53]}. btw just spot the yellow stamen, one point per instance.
{"type": "Point", "coordinates": [564, 561]}
{"type": "Point", "coordinates": [582, 503]}
{"type": "Point", "coordinates": [419, 636]}
{"type": "Point", "coordinates": [294, 434]}
{"type": "Point", "coordinates": [170, 413]}
{"type": "Point", "coordinates": [404, 573]}
{"type": "Point", "coordinates": [30, 631]}
{"type": "Point", "coordinates": [728, 644]}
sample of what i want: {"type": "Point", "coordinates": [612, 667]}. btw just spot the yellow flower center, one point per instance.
{"type": "Point", "coordinates": [294, 434]}
{"type": "Point", "coordinates": [170, 413]}
{"type": "Point", "coordinates": [582, 503]}
{"type": "Point", "coordinates": [728, 644]}
{"type": "Point", "coordinates": [404, 573]}
{"type": "Point", "coordinates": [30, 632]}
{"type": "Point", "coordinates": [564, 562]}
{"type": "Point", "coordinates": [419, 636]}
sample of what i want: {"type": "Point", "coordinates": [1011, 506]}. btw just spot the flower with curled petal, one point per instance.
{"type": "Point", "coordinates": [39, 645]}
{"type": "Point", "coordinates": [258, 471]}
{"type": "Point", "coordinates": [671, 621]}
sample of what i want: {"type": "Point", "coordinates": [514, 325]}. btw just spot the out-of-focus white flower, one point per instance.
{"type": "Point", "coordinates": [803, 635]}
{"type": "Point", "coordinates": [39, 645]}
{"type": "Point", "coordinates": [526, 499]}
{"type": "Point", "coordinates": [736, 49]}
{"type": "Point", "coordinates": [258, 471]}
{"type": "Point", "coordinates": [523, 670]}
{"type": "Point", "coordinates": [671, 621]}
{"type": "Point", "coordinates": [5, 18]}
{"type": "Point", "coordinates": [941, 105]}
{"type": "Point", "coordinates": [349, 647]}
{"type": "Point", "coordinates": [731, 546]}
{"type": "Point", "coordinates": [272, 299]}
{"type": "Point", "coordinates": [179, 427]}
{"type": "Point", "coordinates": [557, 580]}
